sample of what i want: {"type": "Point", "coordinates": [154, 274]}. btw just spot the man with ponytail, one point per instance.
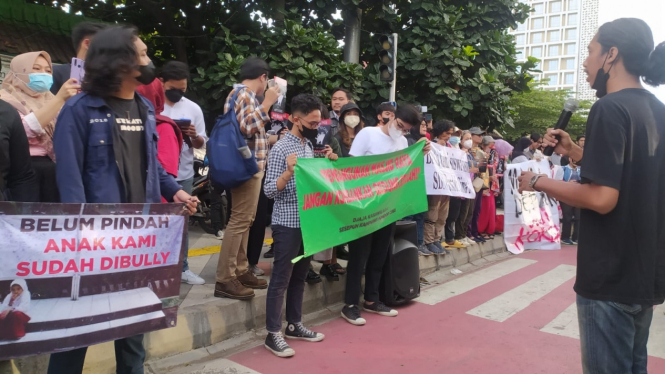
{"type": "Point", "coordinates": [621, 255]}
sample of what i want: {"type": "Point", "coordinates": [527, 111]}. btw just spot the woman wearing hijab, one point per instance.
{"type": "Point", "coordinates": [518, 152]}
{"type": "Point", "coordinates": [26, 88]}
{"type": "Point", "coordinates": [14, 311]}
{"type": "Point", "coordinates": [352, 119]}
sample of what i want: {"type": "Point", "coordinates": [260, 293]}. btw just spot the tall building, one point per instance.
{"type": "Point", "coordinates": [557, 32]}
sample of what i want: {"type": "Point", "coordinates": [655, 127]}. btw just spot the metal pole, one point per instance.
{"type": "Point", "coordinates": [352, 20]}
{"type": "Point", "coordinates": [393, 84]}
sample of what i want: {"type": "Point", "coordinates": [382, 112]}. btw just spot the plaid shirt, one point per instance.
{"type": "Point", "coordinates": [285, 212]}
{"type": "Point", "coordinates": [252, 118]}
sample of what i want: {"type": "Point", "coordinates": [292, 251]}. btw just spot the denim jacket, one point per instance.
{"type": "Point", "coordinates": [86, 167]}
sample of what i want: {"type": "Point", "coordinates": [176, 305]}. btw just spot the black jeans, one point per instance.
{"type": "Point", "coordinates": [129, 358]}
{"type": "Point", "coordinates": [477, 206]}
{"type": "Point", "coordinates": [571, 216]}
{"type": "Point", "coordinates": [286, 277]}
{"type": "Point", "coordinates": [453, 213]}
{"type": "Point", "coordinates": [45, 172]}
{"type": "Point", "coordinates": [218, 210]}
{"type": "Point", "coordinates": [257, 231]}
{"type": "Point", "coordinates": [367, 254]}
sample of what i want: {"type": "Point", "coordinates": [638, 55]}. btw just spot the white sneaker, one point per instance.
{"type": "Point", "coordinates": [191, 278]}
{"type": "Point", "coordinates": [256, 270]}
{"type": "Point", "coordinates": [219, 235]}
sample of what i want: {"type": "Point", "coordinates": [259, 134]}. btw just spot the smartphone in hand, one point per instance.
{"type": "Point", "coordinates": [78, 69]}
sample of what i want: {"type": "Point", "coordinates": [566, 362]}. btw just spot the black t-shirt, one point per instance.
{"type": "Point", "coordinates": [61, 75]}
{"type": "Point", "coordinates": [17, 178]}
{"type": "Point", "coordinates": [129, 147]}
{"type": "Point", "coordinates": [621, 255]}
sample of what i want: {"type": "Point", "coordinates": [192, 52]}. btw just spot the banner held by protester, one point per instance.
{"type": "Point", "coordinates": [347, 199]}
{"type": "Point", "coordinates": [447, 172]}
{"type": "Point", "coordinates": [531, 219]}
{"type": "Point", "coordinates": [87, 273]}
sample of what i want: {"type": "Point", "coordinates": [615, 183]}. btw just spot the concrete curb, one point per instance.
{"type": "Point", "coordinates": [216, 320]}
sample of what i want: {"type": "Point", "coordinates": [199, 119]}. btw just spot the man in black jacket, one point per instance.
{"type": "Point", "coordinates": [17, 179]}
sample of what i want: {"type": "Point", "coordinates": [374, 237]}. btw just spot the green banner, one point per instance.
{"type": "Point", "coordinates": [349, 198]}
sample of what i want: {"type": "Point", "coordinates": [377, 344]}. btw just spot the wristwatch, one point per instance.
{"type": "Point", "coordinates": [533, 181]}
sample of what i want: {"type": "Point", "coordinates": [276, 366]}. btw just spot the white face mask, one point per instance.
{"type": "Point", "coordinates": [467, 144]}
{"type": "Point", "coordinates": [394, 132]}
{"type": "Point", "coordinates": [351, 121]}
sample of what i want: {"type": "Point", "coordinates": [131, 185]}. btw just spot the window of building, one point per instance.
{"type": "Point", "coordinates": [553, 79]}
{"type": "Point", "coordinates": [573, 4]}
{"type": "Point", "coordinates": [552, 65]}
{"type": "Point", "coordinates": [520, 39]}
{"type": "Point", "coordinates": [571, 34]}
{"type": "Point", "coordinates": [519, 53]}
{"type": "Point", "coordinates": [555, 7]}
{"type": "Point", "coordinates": [554, 51]}
{"type": "Point", "coordinates": [569, 63]}
{"type": "Point", "coordinates": [571, 49]}
{"type": "Point", "coordinates": [537, 52]}
{"type": "Point", "coordinates": [538, 23]}
{"type": "Point", "coordinates": [554, 36]}
{"type": "Point", "coordinates": [536, 37]}
{"type": "Point", "coordinates": [539, 66]}
{"type": "Point", "coordinates": [521, 27]}
{"type": "Point", "coordinates": [569, 78]}
{"type": "Point", "coordinates": [572, 19]}
{"type": "Point", "coordinates": [555, 21]}
{"type": "Point", "coordinates": [538, 8]}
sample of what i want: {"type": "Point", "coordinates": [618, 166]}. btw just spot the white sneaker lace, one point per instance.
{"type": "Point", "coordinates": [304, 330]}
{"type": "Point", "coordinates": [279, 341]}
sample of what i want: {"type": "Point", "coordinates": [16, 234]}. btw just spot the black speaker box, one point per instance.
{"type": "Point", "coordinates": [400, 282]}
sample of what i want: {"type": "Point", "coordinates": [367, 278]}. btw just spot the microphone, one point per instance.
{"type": "Point", "coordinates": [568, 108]}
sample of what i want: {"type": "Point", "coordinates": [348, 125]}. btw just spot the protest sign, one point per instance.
{"type": "Point", "coordinates": [344, 200]}
{"type": "Point", "coordinates": [447, 172]}
{"type": "Point", "coordinates": [74, 275]}
{"type": "Point", "coordinates": [531, 219]}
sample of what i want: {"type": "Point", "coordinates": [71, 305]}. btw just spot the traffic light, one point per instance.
{"type": "Point", "coordinates": [387, 56]}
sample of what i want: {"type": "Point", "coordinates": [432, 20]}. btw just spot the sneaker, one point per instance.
{"type": "Point", "coordinates": [298, 331]}
{"type": "Point", "coordinates": [276, 344]}
{"type": "Point", "coordinates": [567, 242]}
{"type": "Point", "coordinates": [312, 277]}
{"type": "Point", "coordinates": [219, 235]}
{"type": "Point", "coordinates": [434, 249]}
{"type": "Point", "coordinates": [328, 271]}
{"type": "Point", "coordinates": [380, 308]}
{"type": "Point", "coordinates": [270, 253]}
{"type": "Point", "coordinates": [423, 251]}
{"type": "Point", "coordinates": [256, 270]}
{"type": "Point", "coordinates": [351, 313]}
{"type": "Point", "coordinates": [233, 290]}
{"type": "Point", "coordinates": [575, 242]}
{"type": "Point", "coordinates": [250, 280]}
{"type": "Point", "coordinates": [441, 248]}
{"type": "Point", "coordinates": [191, 278]}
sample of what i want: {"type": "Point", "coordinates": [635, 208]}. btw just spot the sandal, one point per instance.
{"type": "Point", "coordinates": [339, 269]}
{"type": "Point", "coordinates": [328, 271]}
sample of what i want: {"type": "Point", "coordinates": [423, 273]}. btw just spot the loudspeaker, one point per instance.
{"type": "Point", "coordinates": [400, 282]}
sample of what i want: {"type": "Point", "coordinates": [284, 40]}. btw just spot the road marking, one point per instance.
{"type": "Point", "coordinates": [656, 344]}
{"type": "Point", "coordinates": [510, 303]}
{"type": "Point", "coordinates": [565, 324]}
{"type": "Point", "coordinates": [466, 283]}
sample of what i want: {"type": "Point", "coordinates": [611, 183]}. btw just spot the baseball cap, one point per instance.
{"type": "Point", "coordinates": [476, 131]}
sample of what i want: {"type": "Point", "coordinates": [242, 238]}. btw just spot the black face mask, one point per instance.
{"type": "Point", "coordinates": [174, 95]}
{"type": "Point", "coordinates": [147, 73]}
{"type": "Point", "coordinates": [600, 83]}
{"type": "Point", "coordinates": [385, 120]}
{"type": "Point", "coordinates": [308, 133]}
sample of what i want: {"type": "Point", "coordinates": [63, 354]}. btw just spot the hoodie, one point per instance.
{"type": "Point", "coordinates": [22, 303]}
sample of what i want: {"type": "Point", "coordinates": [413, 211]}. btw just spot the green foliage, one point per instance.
{"type": "Point", "coordinates": [539, 109]}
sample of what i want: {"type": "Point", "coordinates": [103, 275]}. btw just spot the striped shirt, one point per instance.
{"type": "Point", "coordinates": [252, 118]}
{"type": "Point", "coordinates": [285, 213]}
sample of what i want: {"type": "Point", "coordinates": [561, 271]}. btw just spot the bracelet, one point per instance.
{"type": "Point", "coordinates": [534, 180]}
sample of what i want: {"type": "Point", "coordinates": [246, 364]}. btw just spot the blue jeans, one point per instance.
{"type": "Point", "coordinates": [286, 277]}
{"type": "Point", "coordinates": [613, 336]}
{"type": "Point", "coordinates": [187, 186]}
{"type": "Point", "coordinates": [419, 219]}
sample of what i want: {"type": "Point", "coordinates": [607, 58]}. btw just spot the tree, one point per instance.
{"type": "Point", "coordinates": [538, 109]}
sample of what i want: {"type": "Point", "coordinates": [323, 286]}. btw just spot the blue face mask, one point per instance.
{"type": "Point", "coordinates": [454, 140]}
{"type": "Point", "coordinates": [40, 82]}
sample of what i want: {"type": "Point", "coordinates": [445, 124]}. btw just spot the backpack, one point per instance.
{"type": "Point", "coordinates": [232, 163]}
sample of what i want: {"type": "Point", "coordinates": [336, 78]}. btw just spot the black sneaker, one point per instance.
{"type": "Point", "coordinates": [276, 344]}
{"type": "Point", "coordinates": [270, 253]}
{"type": "Point", "coordinates": [351, 313]}
{"type": "Point", "coordinates": [380, 308]}
{"type": "Point", "coordinates": [312, 277]}
{"type": "Point", "coordinates": [300, 332]}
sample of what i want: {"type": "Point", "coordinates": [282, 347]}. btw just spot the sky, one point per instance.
{"type": "Point", "coordinates": [651, 11]}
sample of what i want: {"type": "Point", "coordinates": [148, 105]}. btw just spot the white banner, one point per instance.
{"type": "Point", "coordinates": [62, 246]}
{"type": "Point", "coordinates": [447, 172]}
{"type": "Point", "coordinates": [531, 219]}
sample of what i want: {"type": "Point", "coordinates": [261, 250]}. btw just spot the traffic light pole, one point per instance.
{"type": "Point", "coordinates": [393, 84]}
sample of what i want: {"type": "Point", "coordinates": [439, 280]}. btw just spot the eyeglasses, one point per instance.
{"type": "Point", "coordinates": [311, 125]}
{"type": "Point", "coordinates": [401, 126]}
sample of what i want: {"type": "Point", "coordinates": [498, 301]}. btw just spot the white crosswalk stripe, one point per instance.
{"type": "Point", "coordinates": [471, 281]}
{"type": "Point", "coordinates": [510, 303]}
{"type": "Point", "coordinates": [565, 324]}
